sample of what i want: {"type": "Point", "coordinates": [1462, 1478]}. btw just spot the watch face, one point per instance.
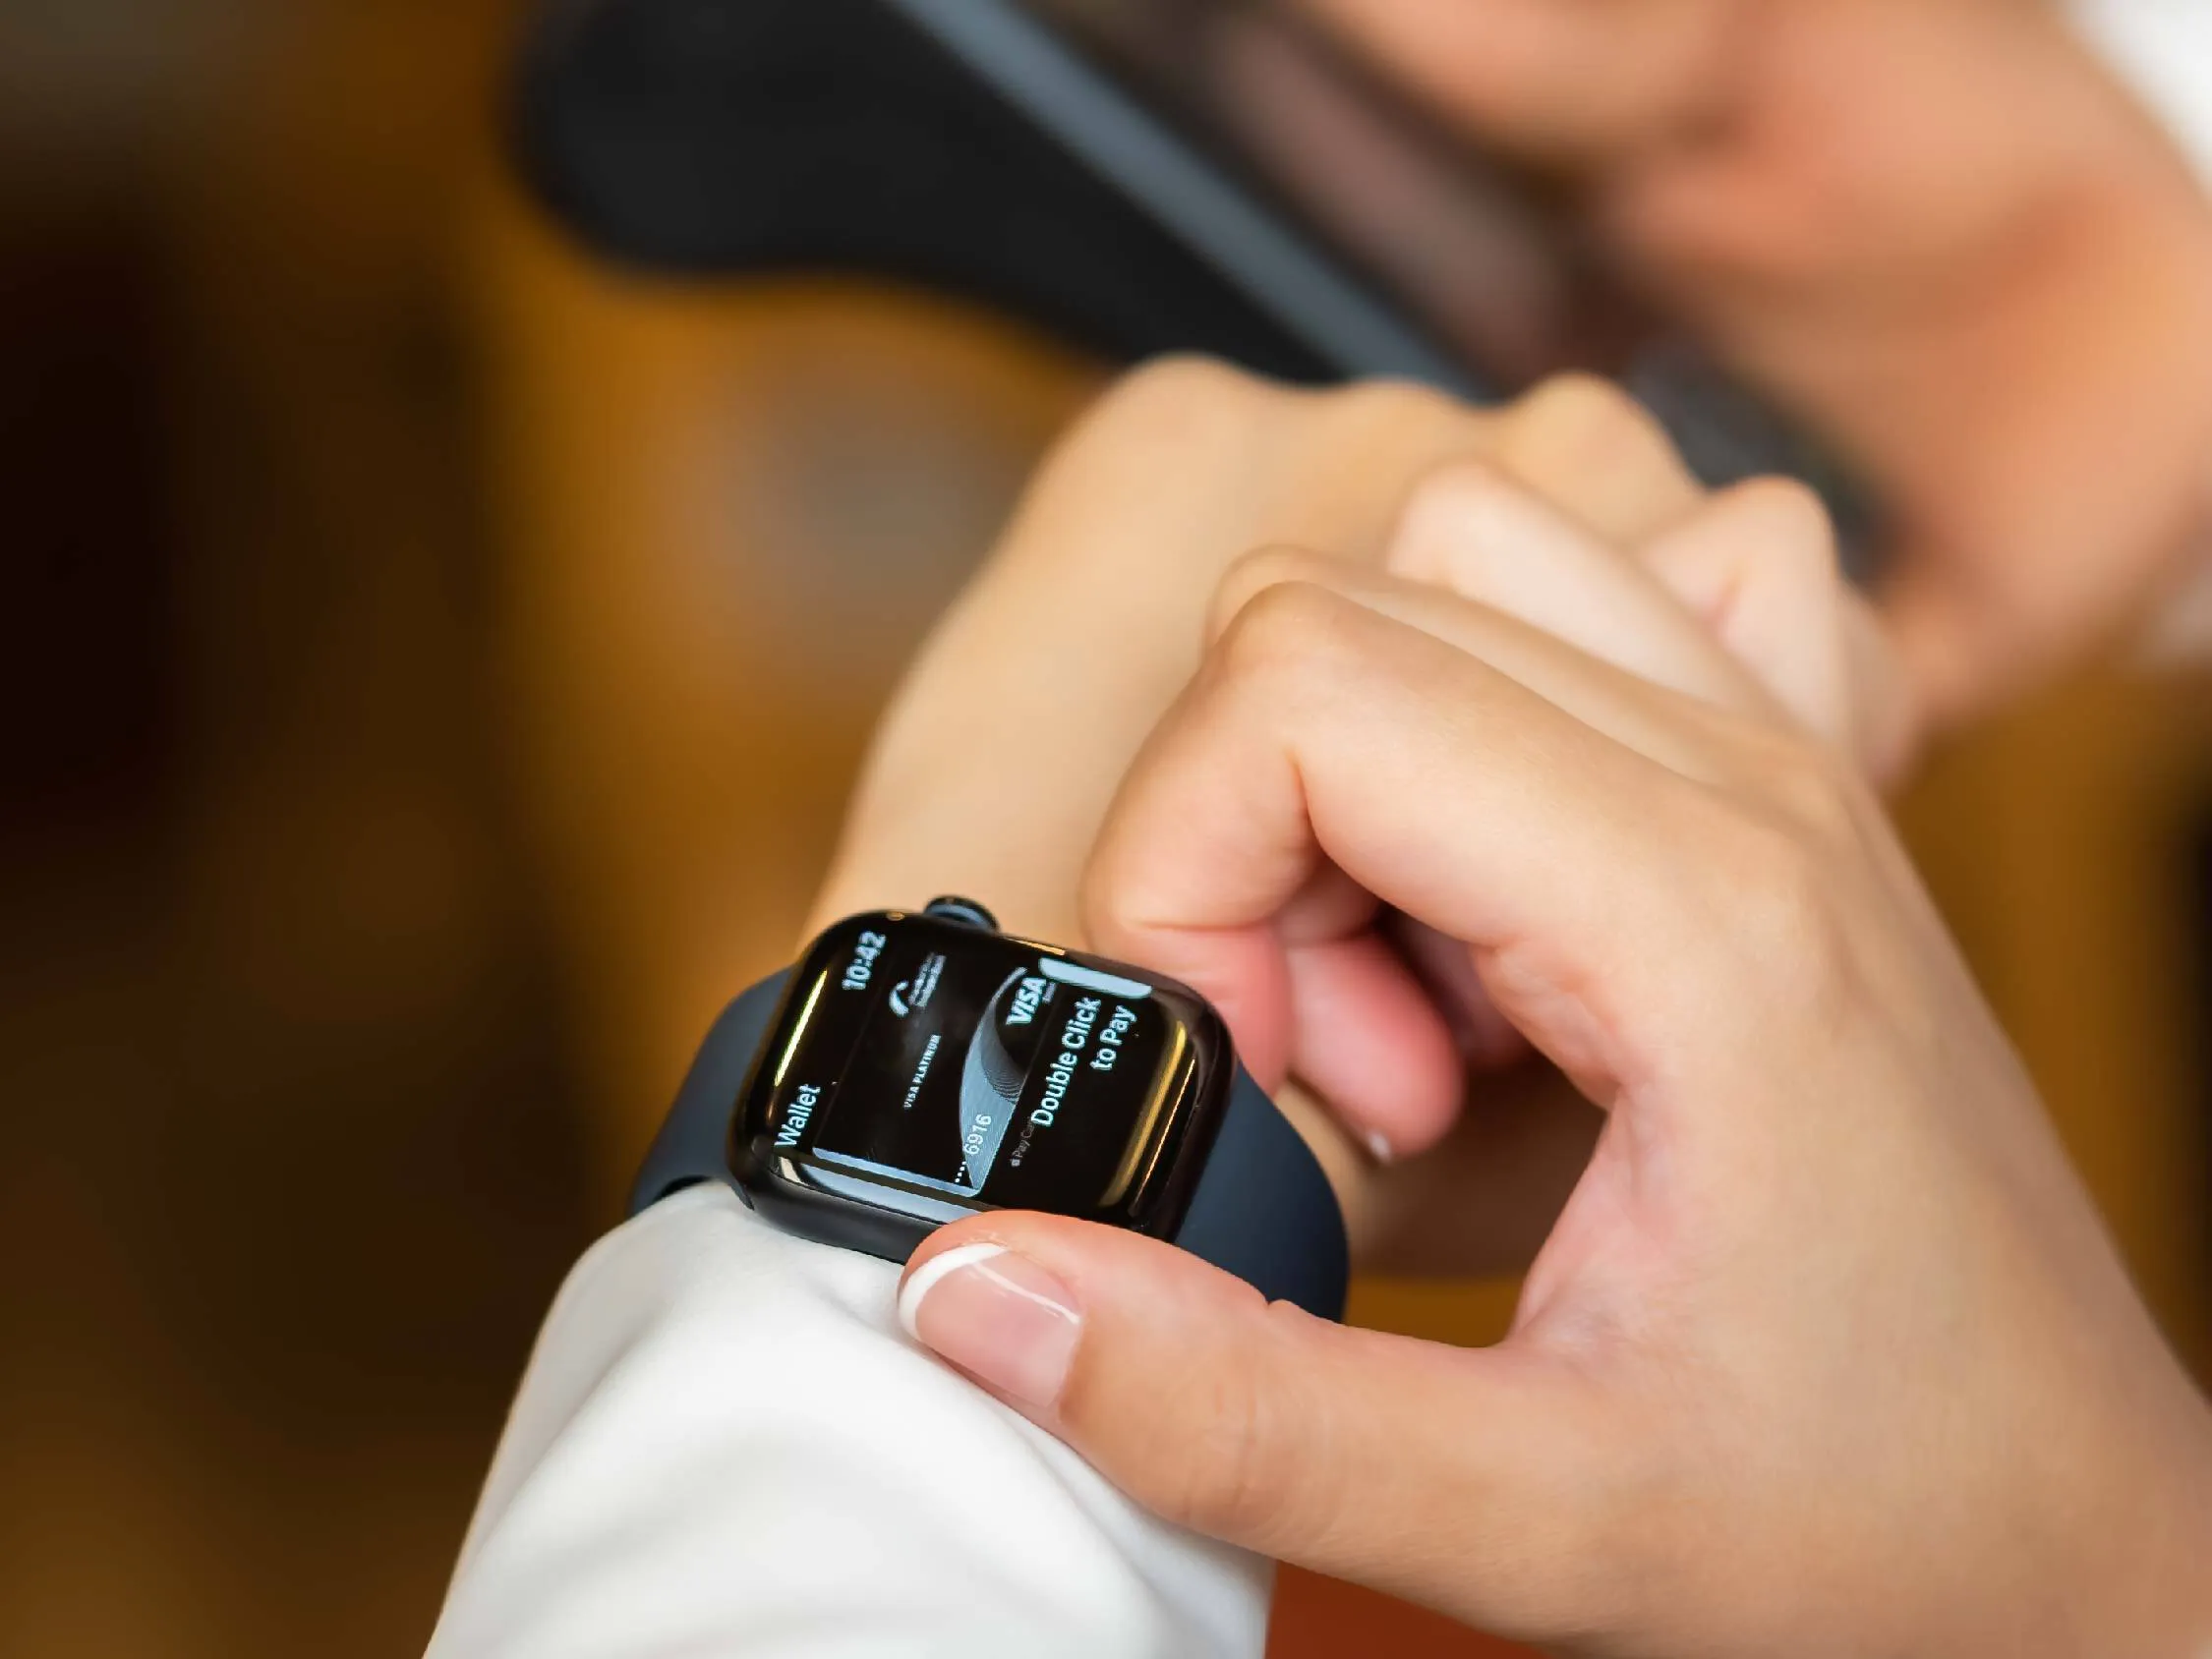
{"type": "Point", "coordinates": [931, 1070]}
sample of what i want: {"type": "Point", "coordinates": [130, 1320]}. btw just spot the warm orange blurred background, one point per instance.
{"type": "Point", "coordinates": [418, 722]}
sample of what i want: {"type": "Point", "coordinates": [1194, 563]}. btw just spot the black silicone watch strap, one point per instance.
{"type": "Point", "coordinates": [1262, 1210]}
{"type": "Point", "coordinates": [693, 1145]}
{"type": "Point", "coordinates": [1265, 1212]}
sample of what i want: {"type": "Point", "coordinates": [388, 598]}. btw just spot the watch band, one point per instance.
{"type": "Point", "coordinates": [1264, 1210]}
{"type": "Point", "coordinates": [693, 1145]}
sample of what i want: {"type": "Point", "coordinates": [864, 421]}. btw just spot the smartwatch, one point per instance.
{"type": "Point", "coordinates": [920, 1067]}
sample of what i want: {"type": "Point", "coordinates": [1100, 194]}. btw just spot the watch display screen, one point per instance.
{"type": "Point", "coordinates": [938, 1070]}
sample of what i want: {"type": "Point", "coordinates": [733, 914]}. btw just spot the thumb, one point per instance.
{"type": "Point", "coordinates": [1470, 1481]}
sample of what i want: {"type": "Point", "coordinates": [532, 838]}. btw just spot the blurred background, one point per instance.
{"type": "Point", "coordinates": [416, 724]}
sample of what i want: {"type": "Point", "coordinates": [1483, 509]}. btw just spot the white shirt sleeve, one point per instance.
{"type": "Point", "coordinates": [725, 1447]}
{"type": "Point", "coordinates": [2162, 48]}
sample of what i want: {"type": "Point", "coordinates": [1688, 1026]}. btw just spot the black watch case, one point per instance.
{"type": "Point", "coordinates": [923, 1068]}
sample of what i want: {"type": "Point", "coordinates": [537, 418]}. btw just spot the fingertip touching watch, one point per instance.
{"type": "Point", "coordinates": [916, 1069]}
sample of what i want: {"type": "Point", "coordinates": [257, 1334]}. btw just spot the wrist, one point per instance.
{"type": "Point", "coordinates": [2091, 1540]}
{"type": "Point", "coordinates": [2123, 1518]}
{"type": "Point", "coordinates": [2156, 1597]}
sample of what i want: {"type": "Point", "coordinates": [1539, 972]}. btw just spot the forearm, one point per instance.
{"type": "Point", "coordinates": [725, 1445]}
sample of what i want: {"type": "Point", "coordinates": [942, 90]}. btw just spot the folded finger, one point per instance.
{"type": "Point", "coordinates": [1324, 732]}
{"type": "Point", "coordinates": [1478, 532]}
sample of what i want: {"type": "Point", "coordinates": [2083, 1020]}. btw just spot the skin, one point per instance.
{"type": "Point", "coordinates": [1935, 229]}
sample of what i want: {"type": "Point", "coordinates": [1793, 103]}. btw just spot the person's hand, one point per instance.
{"type": "Point", "coordinates": [1933, 227]}
{"type": "Point", "coordinates": [993, 770]}
{"type": "Point", "coordinates": [1828, 1352]}
{"type": "Point", "coordinates": [994, 766]}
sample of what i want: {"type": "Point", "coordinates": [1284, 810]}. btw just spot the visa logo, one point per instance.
{"type": "Point", "coordinates": [1026, 1000]}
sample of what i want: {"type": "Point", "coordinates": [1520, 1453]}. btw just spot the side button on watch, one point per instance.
{"type": "Point", "coordinates": [916, 1069]}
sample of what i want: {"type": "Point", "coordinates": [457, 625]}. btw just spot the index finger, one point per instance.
{"type": "Point", "coordinates": [1321, 733]}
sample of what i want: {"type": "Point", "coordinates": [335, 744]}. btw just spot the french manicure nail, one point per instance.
{"type": "Point", "coordinates": [998, 1316]}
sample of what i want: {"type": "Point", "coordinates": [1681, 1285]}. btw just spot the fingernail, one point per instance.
{"type": "Point", "coordinates": [998, 1316]}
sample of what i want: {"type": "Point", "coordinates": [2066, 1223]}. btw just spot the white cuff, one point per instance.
{"type": "Point", "coordinates": [725, 1446]}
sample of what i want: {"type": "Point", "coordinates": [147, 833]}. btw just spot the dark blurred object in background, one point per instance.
{"type": "Point", "coordinates": [290, 1159]}
{"type": "Point", "coordinates": [1136, 178]}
